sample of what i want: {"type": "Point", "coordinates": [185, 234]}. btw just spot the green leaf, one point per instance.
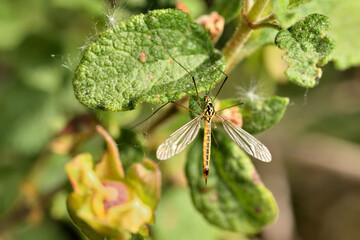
{"type": "Point", "coordinates": [139, 237]}
{"type": "Point", "coordinates": [307, 47]}
{"type": "Point", "coordinates": [344, 18]}
{"type": "Point", "coordinates": [229, 9]}
{"type": "Point", "coordinates": [129, 64]}
{"type": "Point", "coordinates": [145, 178]}
{"type": "Point", "coordinates": [194, 105]}
{"type": "Point", "coordinates": [261, 115]}
{"type": "Point", "coordinates": [258, 115]}
{"type": "Point", "coordinates": [345, 31]}
{"type": "Point", "coordinates": [283, 13]}
{"type": "Point", "coordinates": [296, 3]}
{"type": "Point", "coordinates": [234, 199]}
{"type": "Point", "coordinates": [85, 228]}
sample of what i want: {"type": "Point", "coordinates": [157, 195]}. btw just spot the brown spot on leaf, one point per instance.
{"type": "Point", "coordinates": [257, 209]}
{"type": "Point", "coordinates": [143, 56]}
{"type": "Point", "coordinates": [256, 178]}
{"type": "Point", "coordinates": [149, 76]}
{"type": "Point", "coordinates": [149, 36]}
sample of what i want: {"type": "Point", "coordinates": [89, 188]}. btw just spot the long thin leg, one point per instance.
{"type": "Point", "coordinates": [167, 50]}
{"type": "Point", "coordinates": [139, 123]}
{"type": "Point", "coordinates": [134, 126]}
{"type": "Point", "coordinates": [185, 107]}
{"type": "Point", "coordinates": [226, 76]}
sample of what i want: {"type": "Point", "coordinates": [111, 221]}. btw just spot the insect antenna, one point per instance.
{"type": "Point", "coordinates": [207, 92]}
{"type": "Point", "coordinates": [167, 50]}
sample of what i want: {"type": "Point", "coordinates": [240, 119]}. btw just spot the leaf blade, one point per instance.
{"type": "Point", "coordinates": [129, 64]}
{"type": "Point", "coordinates": [344, 17]}
{"type": "Point", "coordinates": [307, 48]}
{"type": "Point", "coordinates": [234, 199]}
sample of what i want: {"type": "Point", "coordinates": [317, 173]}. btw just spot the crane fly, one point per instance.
{"type": "Point", "coordinates": [182, 137]}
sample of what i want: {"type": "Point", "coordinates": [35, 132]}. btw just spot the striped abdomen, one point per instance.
{"type": "Point", "coordinates": [206, 148]}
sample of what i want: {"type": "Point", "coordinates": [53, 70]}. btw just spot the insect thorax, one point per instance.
{"type": "Point", "coordinates": [209, 110]}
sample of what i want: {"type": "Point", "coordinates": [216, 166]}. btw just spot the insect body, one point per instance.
{"type": "Point", "coordinates": [209, 113]}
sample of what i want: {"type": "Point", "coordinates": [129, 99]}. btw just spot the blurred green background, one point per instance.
{"type": "Point", "coordinates": [314, 175]}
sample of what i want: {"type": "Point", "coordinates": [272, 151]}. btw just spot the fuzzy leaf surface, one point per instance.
{"type": "Point", "coordinates": [261, 115]}
{"type": "Point", "coordinates": [307, 48]}
{"type": "Point", "coordinates": [258, 115]}
{"type": "Point", "coordinates": [234, 198]}
{"type": "Point", "coordinates": [129, 64]}
{"type": "Point", "coordinates": [344, 20]}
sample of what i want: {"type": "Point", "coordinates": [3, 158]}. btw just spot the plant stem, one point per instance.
{"type": "Point", "coordinates": [235, 44]}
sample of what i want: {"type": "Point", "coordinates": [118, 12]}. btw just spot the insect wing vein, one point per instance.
{"type": "Point", "coordinates": [245, 140]}
{"type": "Point", "coordinates": [177, 141]}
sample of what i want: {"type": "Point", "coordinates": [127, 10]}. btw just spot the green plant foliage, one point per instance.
{"type": "Point", "coordinates": [10, 181]}
{"type": "Point", "coordinates": [257, 115]}
{"type": "Point", "coordinates": [171, 221]}
{"type": "Point", "coordinates": [307, 47]}
{"type": "Point", "coordinates": [344, 31]}
{"type": "Point", "coordinates": [108, 201]}
{"type": "Point", "coordinates": [295, 3]}
{"type": "Point", "coordinates": [235, 198]}
{"type": "Point", "coordinates": [261, 115]}
{"type": "Point", "coordinates": [343, 18]}
{"type": "Point", "coordinates": [129, 64]}
{"type": "Point", "coordinates": [283, 13]}
{"type": "Point", "coordinates": [127, 60]}
{"type": "Point", "coordinates": [46, 229]}
{"type": "Point", "coordinates": [140, 237]}
{"type": "Point", "coordinates": [228, 9]}
{"type": "Point", "coordinates": [131, 145]}
{"type": "Point", "coordinates": [194, 105]}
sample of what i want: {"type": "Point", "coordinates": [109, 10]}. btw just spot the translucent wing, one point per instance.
{"type": "Point", "coordinates": [177, 141]}
{"type": "Point", "coordinates": [245, 140]}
